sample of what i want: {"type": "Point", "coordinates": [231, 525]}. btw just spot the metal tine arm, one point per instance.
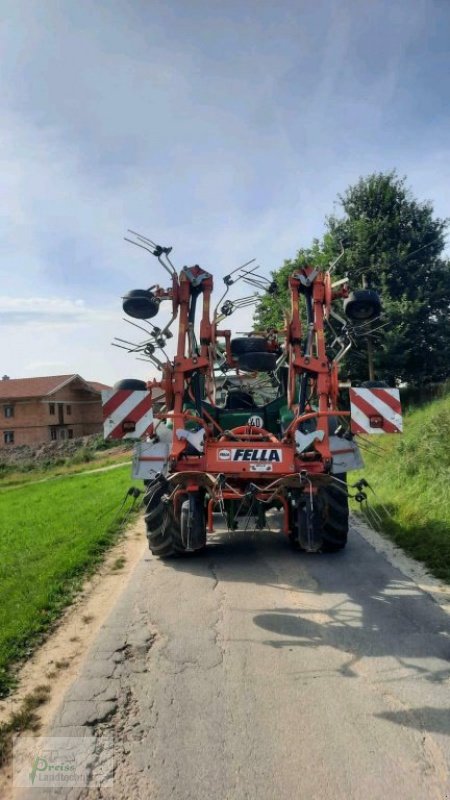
{"type": "Point", "coordinates": [125, 341]}
{"type": "Point", "coordinates": [114, 344]}
{"type": "Point", "coordinates": [257, 283]}
{"type": "Point", "coordinates": [245, 274]}
{"type": "Point", "coordinates": [168, 326]}
{"type": "Point", "coordinates": [154, 245]}
{"type": "Point", "coordinates": [240, 267]}
{"type": "Point", "coordinates": [245, 301]}
{"type": "Point", "coordinates": [378, 328]}
{"type": "Point", "coordinates": [143, 238]}
{"type": "Point", "coordinates": [137, 348]}
{"type": "Point", "coordinates": [170, 269]}
{"type": "Point", "coordinates": [252, 275]}
{"type": "Point", "coordinates": [336, 260]}
{"type": "Point", "coordinates": [139, 326]}
{"type": "Point", "coordinates": [153, 359]}
{"type": "Point", "coordinates": [365, 324]}
{"type": "Point", "coordinates": [340, 319]}
{"type": "Point", "coordinates": [218, 317]}
{"type": "Point", "coordinates": [126, 239]}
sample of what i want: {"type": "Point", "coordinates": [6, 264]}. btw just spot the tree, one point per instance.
{"type": "Point", "coordinates": [270, 311]}
{"type": "Point", "coordinates": [396, 243]}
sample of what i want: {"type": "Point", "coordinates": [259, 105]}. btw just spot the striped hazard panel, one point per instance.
{"type": "Point", "coordinates": [126, 414]}
{"type": "Point", "coordinates": [376, 411]}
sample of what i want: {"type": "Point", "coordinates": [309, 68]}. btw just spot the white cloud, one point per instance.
{"type": "Point", "coordinates": [200, 130]}
{"type": "Point", "coordinates": [49, 312]}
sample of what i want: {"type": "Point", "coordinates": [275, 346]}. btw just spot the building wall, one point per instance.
{"type": "Point", "coordinates": [32, 422]}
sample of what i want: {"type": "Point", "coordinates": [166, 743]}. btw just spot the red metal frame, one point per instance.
{"type": "Point", "coordinates": [322, 374]}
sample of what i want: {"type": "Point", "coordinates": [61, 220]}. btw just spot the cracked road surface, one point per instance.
{"type": "Point", "coordinates": [252, 673]}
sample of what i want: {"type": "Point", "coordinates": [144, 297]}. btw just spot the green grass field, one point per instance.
{"type": "Point", "coordinates": [11, 476]}
{"type": "Point", "coordinates": [51, 535]}
{"type": "Point", "coordinates": [412, 480]}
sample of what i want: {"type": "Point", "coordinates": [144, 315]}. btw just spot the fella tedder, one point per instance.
{"type": "Point", "coordinates": [238, 425]}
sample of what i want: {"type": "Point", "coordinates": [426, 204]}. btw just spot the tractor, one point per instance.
{"type": "Point", "coordinates": [237, 425]}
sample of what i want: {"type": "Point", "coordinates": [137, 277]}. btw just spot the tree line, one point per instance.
{"type": "Point", "coordinates": [394, 244]}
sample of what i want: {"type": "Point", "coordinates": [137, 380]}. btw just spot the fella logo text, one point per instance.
{"type": "Point", "coordinates": [256, 454]}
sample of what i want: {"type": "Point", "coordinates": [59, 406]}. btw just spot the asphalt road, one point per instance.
{"type": "Point", "coordinates": [252, 673]}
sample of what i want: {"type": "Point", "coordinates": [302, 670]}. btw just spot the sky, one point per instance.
{"type": "Point", "coordinates": [224, 129]}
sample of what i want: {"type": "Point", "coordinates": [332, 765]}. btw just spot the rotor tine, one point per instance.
{"type": "Point", "coordinates": [114, 344]}
{"type": "Point", "coordinates": [125, 341]}
{"type": "Point", "coordinates": [170, 270]}
{"type": "Point", "coordinates": [241, 267]}
{"type": "Point", "coordinates": [138, 326]}
{"type": "Point", "coordinates": [258, 284]}
{"type": "Point", "coordinates": [138, 245]}
{"type": "Point", "coordinates": [144, 238]}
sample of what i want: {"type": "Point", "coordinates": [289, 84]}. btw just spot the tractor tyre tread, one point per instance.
{"type": "Point", "coordinates": [248, 344]}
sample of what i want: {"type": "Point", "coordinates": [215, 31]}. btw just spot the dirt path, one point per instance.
{"type": "Point", "coordinates": [59, 661]}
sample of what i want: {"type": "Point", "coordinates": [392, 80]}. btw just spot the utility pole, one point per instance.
{"type": "Point", "coordinates": [369, 342]}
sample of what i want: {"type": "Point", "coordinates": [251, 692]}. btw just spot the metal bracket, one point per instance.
{"type": "Point", "coordinates": [195, 439]}
{"type": "Point", "coordinates": [305, 440]}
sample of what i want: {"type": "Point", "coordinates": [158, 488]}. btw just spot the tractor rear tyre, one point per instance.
{"type": "Point", "coordinates": [248, 344]}
{"type": "Point", "coordinates": [164, 530]}
{"type": "Point", "coordinates": [362, 305]}
{"type": "Point", "coordinates": [334, 510]}
{"type": "Point", "coordinates": [330, 519]}
{"type": "Point", "coordinates": [258, 362]}
{"type": "Point", "coordinates": [130, 385]}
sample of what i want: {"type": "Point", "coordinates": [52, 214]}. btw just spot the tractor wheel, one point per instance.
{"type": "Point", "coordinates": [131, 384]}
{"type": "Point", "coordinates": [334, 511]}
{"type": "Point", "coordinates": [258, 362]}
{"type": "Point", "coordinates": [164, 530]}
{"type": "Point", "coordinates": [362, 305]}
{"type": "Point", "coordinates": [330, 519]}
{"type": "Point", "coordinates": [248, 344]}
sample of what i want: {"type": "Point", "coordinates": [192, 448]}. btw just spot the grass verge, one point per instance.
{"type": "Point", "coordinates": [411, 478]}
{"type": "Point", "coordinates": [80, 462]}
{"type": "Point", "coordinates": [25, 719]}
{"type": "Point", "coordinates": [52, 535]}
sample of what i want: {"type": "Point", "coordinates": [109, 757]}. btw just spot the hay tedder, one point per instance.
{"type": "Point", "coordinates": [238, 425]}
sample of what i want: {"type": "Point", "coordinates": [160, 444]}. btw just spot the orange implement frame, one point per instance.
{"type": "Point", "coordinates": [246, 454]}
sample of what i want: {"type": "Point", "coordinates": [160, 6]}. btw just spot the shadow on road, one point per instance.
{"type": "Point", "coordinates": [353, 601]}
{"type": "Point", "coordinates": [434, 720]}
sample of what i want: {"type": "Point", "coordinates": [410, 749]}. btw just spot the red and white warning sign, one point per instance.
{"type": "Point", "coordinates": [375, 411]}
{"type": "Point", "coordinates": [127, 414]}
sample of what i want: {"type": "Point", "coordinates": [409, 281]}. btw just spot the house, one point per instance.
{"type": "Point", "coordinates": [37, 410]}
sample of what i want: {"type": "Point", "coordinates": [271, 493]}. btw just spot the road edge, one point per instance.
{"type": "Point", "coordinates": [412, 569]}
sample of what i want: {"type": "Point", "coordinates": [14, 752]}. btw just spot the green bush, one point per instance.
{"type": "Point", "coordinates": [82, 456]}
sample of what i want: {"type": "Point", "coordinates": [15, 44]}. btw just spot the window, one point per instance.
{"type": "Point", "coordinates": [68, 409]}
{"type": "Point", "coordinates": [63, 433]}
{"type": "Point", "coordinates": [51, 408]}
{"type": "Point", "coordinates": [53, 434]}
{"type": "Point", "coordinates": [8, 437]}
{"type": "Point", "coordinates": [9, 411]}
{"type": "Point", "coordinates": [70, 433]}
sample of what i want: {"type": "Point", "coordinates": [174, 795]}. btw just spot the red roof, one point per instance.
{"type": "Point", "coordinates": [15, 388]}
{"type": "Point", "coordinates": [98, 386]}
